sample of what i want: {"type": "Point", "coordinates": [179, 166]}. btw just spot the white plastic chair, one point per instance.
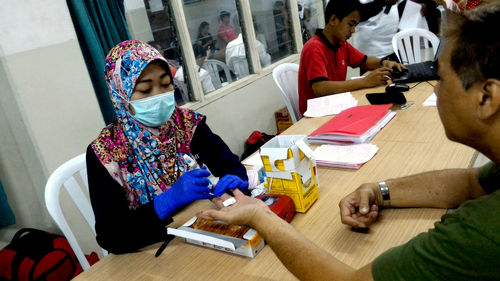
{"type": "Point", "coordinates": [213, 67]}
{"type": "Point", "coordinates": [240, 66]}
{"type": "Point", "coordinates": [65, 176]}
{"type": "Point", "coordinates": [406, 44]}
{"type": "Point", "coordinates": [286, 77]}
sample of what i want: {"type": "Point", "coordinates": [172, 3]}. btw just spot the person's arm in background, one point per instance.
{"type": "Point", "coordinates": [374, 63]}
{"type": "Point", "coordinates": [436, 189]}
{"type": "Point", "coordinates": [317, 72]}
{"type": "Point", "coordinates": [375, 78]}
{"type": "Point", "coordinates": [265, 58]}
{"type": "Point", "coordinates": [302, 257]}
{"type": "Point", "coordinates": [316, 63]}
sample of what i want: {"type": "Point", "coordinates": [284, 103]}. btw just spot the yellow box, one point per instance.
{"type": "Point", "coordinates": [283, 119]}
{"type": "Point", "coordinates": [291, 169]}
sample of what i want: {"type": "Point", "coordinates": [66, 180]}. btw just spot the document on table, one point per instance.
{"type": "Point", "coordinates": [329, 105]}
{"type": "Point", "coordinates": [431, 100]}
{"type": "Point", "coordinates": [344, 156]}
{"type": "Point", "coordinates": [412, 18]}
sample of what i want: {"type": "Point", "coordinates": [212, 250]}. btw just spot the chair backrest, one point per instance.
{"type": "Point", "coordinates": [65, 176]}
{"type": "Point", "coordinates": [286, 77]}
{"type": "Point", "coordinates": [406, 44]}
{"type": "Point", "coordinates": [213, 67]}
{"type": "Point", "coordinates": [240, 66]}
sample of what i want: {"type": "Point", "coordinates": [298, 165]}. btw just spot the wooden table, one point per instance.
{"type": "Point", "coordinates": [414, 141]}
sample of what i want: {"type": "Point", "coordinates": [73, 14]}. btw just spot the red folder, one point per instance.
{"type": "Point", "coordinates": [355, 124]}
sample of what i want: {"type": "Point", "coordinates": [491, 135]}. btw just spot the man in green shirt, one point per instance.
{"type": "Point", "coordinates": [465, 244]}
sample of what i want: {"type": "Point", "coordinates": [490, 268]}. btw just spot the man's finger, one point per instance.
{"type": "Point", "coordinates": [218, 202]}
{"type": "Point", "coordinates": [351, 222]}
{"type": "Point", "coordinates": [208, 214]}
{"type": "Point", "coordinates": [364, 203]}
{"type": "Point", "coordinates": [238, 194]}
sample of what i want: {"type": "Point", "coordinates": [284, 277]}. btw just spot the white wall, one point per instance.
{"type": "Point", "coordinates": [48, 108]}
{"type": "Point", "coordinates": [49, 113]}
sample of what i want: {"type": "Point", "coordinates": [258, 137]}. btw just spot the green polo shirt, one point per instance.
{"type": "Point", "coordinates": [464, 245]}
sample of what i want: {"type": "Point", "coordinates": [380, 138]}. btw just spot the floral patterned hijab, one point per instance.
{"type": "Point", "coordinates": [144, 161]}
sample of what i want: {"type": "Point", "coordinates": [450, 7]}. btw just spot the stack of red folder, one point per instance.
{"type": "Point", "coordinates": [354, 125]}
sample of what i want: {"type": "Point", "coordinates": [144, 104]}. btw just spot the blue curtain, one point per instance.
{"type": "Point", "coordinates": [6, 215]}
{"type": "Point", "coordinates": [99, 25]}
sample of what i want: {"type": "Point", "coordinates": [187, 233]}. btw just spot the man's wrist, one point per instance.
{"type": "Point", "coordinates": [385, 194]}
{"type": "Point", "coordinates": [260, 217]}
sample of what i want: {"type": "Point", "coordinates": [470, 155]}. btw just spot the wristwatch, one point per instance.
{"type": "Point", "coordinates": [384, 190]}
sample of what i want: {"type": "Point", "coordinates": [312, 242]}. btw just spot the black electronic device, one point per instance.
{"type": "Point", "coordinates": [395, 73]}
{"type": "Point", "coordinates": [422, 71]}
{"type": "Point", "coordinates": [386, 98]}
{"type": "Point", "coordinates": [396, 87]}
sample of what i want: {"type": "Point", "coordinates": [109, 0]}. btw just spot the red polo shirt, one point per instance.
{"type": "Point", "coordinates": [321, 61]}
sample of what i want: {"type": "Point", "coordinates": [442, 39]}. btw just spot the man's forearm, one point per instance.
{"type": "Point", "coordinates": [436, 189]}
{"type": "Point", "coordinates": [371, 63]}
{"type": "Point", "coordinates": [326, 88]}
{"type": "Point", "coordinates": [299, 255]}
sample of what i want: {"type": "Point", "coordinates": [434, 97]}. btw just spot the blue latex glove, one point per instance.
{"type": "Point", "coordinates": [230, 182]}
{"type": "Point", "coordinates": [191, 186]}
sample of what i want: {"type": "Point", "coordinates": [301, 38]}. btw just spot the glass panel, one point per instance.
{"type": "Point", "coordinates": [159, 31]}
{"type": "Point", "coordinates": [217, 42]}
{"type": "Point", "coordinates": [273, 30]}
{"type": "Point", "coordinates": [312, 17]}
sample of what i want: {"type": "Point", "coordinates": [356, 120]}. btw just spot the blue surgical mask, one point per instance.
{"type": "Point", "coordinates": [154, 111]}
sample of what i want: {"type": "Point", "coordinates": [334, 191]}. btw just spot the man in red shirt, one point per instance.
{"type": "Point", "coordinates": [325, 57]}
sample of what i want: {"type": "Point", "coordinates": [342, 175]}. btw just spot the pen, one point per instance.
{"type": "Point", "coordinates": [164, 245]}
{"type": "Point", "coordinates": [194, 165]}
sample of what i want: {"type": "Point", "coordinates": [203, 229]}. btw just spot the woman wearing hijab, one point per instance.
{"type": "Point", "coordinates": [136, 169]}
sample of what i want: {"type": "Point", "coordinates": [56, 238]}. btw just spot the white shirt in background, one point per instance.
{"type": "Point", "coordinates": [374, 36]}
{"type": "Point", "coordinates": [206, 81]}
{"type": "Point", "coordinates": [236, 48]}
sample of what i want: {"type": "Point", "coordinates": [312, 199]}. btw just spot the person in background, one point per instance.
{"type": "Point", "coordinates": [206, 82]}
{"type": "Point", "coordinates": [379, 24]}
{"type": "Point", "coordinates": [137, 173]}
{"type": "Point", "coordinates": [236, 48]}
{"type": "Point", "coordinates": [431, 14]}
{"type": "Point", "coordinates": [281, 24]}
{"type": "Point", "coordinates": [465, 5]}
{"type": "Point", "coordinates": [326, 56]}
{"type": "Point", "coordinates": [465, 244]}
{"type": "Point", "coordinates": [204, 38]}
{"type": "Point", "coordinates": [309, 23]}
{"type": "Point", "coordinates": [226, 30]}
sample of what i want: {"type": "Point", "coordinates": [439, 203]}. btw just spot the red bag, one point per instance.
{"type": "Point", "coordinates": [254, 142]}
{"type": "Point", "coordinates": [38, 255]}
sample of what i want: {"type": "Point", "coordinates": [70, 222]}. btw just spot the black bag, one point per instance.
{"type": "Point", "coordinates": [38, 255]}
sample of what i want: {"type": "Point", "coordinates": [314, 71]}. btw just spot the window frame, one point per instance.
{"type": "Point", "coordinates": [256, 70]}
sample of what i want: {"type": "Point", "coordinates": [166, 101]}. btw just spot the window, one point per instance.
{"type": "Point", "coordinates": [213, 43]}
{"type": "Point", "coordinates": [311, 14]}
{"type": "Point", "coordinates": [219, 50]}
{"type": "Point", "coordinates": [273, 30]}
{"type": "Point", "coordinates": [163, 37]}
